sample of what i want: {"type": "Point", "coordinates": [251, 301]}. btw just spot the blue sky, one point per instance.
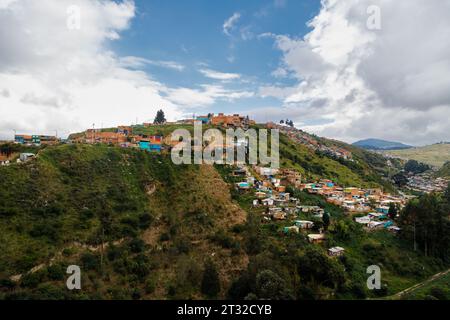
{"type": "Point", "coordinates": [191, 33]}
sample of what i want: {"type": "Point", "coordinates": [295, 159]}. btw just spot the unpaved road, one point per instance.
{"type": "Point", "coordinates": [419, 285]}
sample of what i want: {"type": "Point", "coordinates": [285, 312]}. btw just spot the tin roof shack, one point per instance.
{"type": "Point", "coordinates": [316, 238]}
{"type": "Point", "coordinates": [24, 157]}
{"type": "Point", "coordinates": [336, 251]}
{"type": "Point", "coordinates": [303, 224]}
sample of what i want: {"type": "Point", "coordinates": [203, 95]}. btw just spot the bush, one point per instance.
{"type": "Point", "coordinates": [56, 272]}
{"type": "Point", "coordinates": [137, 245]}
{"type": "Point", "coordinates": [32, 280]}
{"type": "Point", "coordinates": [439, 293]}
{"type": "Point", "coordinates": [150, 286]}
{"type": "Point", "coordinates": [91, 261]}
{"type": "Point", "coordinates": [210, 282]}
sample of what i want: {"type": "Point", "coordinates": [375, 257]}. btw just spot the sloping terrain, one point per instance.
{"type": "Point", "coordinates": [435, 155]}
{"type": "Point", "coordinates": [126, 216]}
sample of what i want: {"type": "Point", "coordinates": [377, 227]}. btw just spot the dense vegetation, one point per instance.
{"type": "Point", "coordinates": [426, 223]}
{"type": "Point", "coordinates": [142, 228]}
{"type": "Point", "coordinates": [138, 225]}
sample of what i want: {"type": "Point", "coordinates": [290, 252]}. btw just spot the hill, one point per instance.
{"type": "Point", "coordinates": [141, 227]}
{"type": "Point", "coordinates": [377, 144]}
{"type": "Point", "coordinates": [123, 213]}
{"type": "Point", "coordinates": [435, 155]}
{"type": "Point", "coordinates": [444, 171]}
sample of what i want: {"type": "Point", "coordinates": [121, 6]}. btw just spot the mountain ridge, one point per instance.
{"type": "Point", "coordinates": [379, 144]}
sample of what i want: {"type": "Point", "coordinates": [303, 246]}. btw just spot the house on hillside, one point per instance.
{"type": "Point", "coordinates": [24, 157]}
{"type": "Point", "coordinates": [316, 238]}
{"type": "Point", "coordinates": [302, 224]}
{"type": "Point", "coordinates": [336, 251]}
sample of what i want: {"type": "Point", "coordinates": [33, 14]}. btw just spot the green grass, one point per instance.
{"type": "Point", "coordinates": [435, 155]}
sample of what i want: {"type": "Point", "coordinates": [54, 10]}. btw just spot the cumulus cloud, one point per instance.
{"type": "Point", "coordinates": [205, 96]}
{"type": "Point", "coordinates": [356, 82]}
{"type": "Point", "coordinates": [57, 78]}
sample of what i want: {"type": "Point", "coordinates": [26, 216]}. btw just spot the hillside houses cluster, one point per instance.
{"type": "Point", "coordinates": [309, 141]}
{"type": "Point", "coordinates": [126, 136]}
{"type": "Point", "coordinates": [370, 207]}
{"type": "Point", "coordinates": [426, 183]}
{"type": "Point", "coordinates": [352, 199]}
{"type": "Point", "coordinates": [35, 139]}
{"type": "Point", "coordinates": [123, 137]}
{"type": "Point", "coordinates": [270, 197]}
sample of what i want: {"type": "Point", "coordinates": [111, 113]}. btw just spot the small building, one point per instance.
{"type": "Point", "coordinates": [363, 220]}
{"type": "Point", "coordinates": [302, 224]}
{"type": "Point", "coordinates": [204, 119]}
{"type": "Point", "coordinates": [279, 216]}
{"type": "Point", "coordinates": [268, 202]}
{"type": "Point", "coordinates": [336, 251]}
{"type": "Point", "coordinates": [243, 185]}
{"type": "Point", "coordinates": [24, 157]}
{"type": "Point", "coordinates": [293, 229]}
{"type": "Point", "coordinates": [316, 238]}
{"type": "Point", "coordinates": [383, 209]}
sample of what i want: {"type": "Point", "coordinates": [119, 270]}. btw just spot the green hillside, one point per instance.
{"type": "Point", "coordinates": [124, 215]}
{"type": "Point", "coordinates": [444, 171]}
{"type": "Point", "coordinates": [141, 227]}
{"type": "Point", "coordinates": [435, 155]}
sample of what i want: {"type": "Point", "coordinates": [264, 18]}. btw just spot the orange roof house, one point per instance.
{"type": "Point", "coordinates": [234, 120]}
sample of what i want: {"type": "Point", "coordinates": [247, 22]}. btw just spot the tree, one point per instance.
{"type": "Point", "coordinates": [210, 281]}
{"type": "Point", "coordinates": [282, 122]}
{"type": "Point", "coordinates": [425, 222]}
{"type": "Point", "coordinates": [160, 117]}
{"type": "Point", "coordinates": [400, 179]}
{"type": "Point", "coordinates": [271, 286]}
{"type": "Point", "coordinates": [326, 220]}
{"type": "Point", "coordinates": [393, 211]}
{"type": "Point", "coordinates": [416, 167]}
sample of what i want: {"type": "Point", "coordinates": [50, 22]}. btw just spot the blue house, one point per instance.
{"type": "Point", "coordinates": [204, 119]}
{"type": "Point", "coordinates": [147, 146]}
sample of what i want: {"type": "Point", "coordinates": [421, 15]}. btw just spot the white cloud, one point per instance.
{"type": "Point", "coordinates": [138, 62]}
{"type": "Point", "coordinates": [230, 23]}
{"type": "Point", "coordinates": [205, 96]}
{"type": "Point", "coordinates": [212, 74]}
{"type": "Point", "coordinates": [390, 83]}
{"type": "Point", "coordinates": [53, 78]}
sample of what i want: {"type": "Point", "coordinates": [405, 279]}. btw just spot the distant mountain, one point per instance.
{"type": "Point", "coordinates": [377, 144]}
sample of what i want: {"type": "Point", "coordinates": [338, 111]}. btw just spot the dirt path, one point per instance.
{"type": "Point", "coordinates": [421, 284]}
{"type": "Point", "coordinates": [18, 277]}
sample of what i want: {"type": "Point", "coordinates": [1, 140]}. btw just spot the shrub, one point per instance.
{"type": "Point", "coordinates": [210, 282]}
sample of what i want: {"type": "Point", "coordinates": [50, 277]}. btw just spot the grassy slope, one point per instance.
{"type": "Point", "coordinates": [444, 171]}
{"type": "Point", "coordinates": [424, 291]}
{"type": "Point", "coordinates": [365, 171]}
{"type": "Point", "coordinates": [435, 155]}
{"type": "Point", "coordinates": [52, 206]}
